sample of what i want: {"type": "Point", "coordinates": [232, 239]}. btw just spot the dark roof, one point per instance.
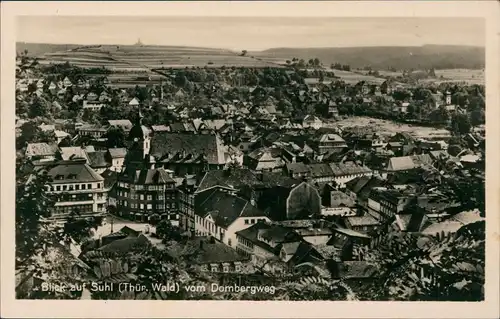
{"type": "Point", "coordinates": [117, 152]}
{"type": "Point", "coordinates": [177, 127]}
{"type": "Point", "coordinates": [355, 185]}
{"type": "Point", "coordinates": [98, 159]}
{"type": "Point", "coordinates": [226, 208]}
{"type": "Point", "coordinates": [156, 176]}
{"type": "Point", "coordinates": [348, 168]}
{"type": "Point", "coordinates": [209, 145]}
{"type": "Point", "coordinates": [73, 171]}
{"type": "Point", "coordinates": [110, 178]}
{"type": "Point", "coordinates": [228, 178]}
{"type": "Point", "coordinates": [320, 170]}
{"type": "Point", "coordinates": [126, 245]}
{"type": "Point", "coordinates": [203, 251]}
{"type": "Point", "coordinates": [297, 168]}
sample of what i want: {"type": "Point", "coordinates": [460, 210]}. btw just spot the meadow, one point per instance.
{"type": "Point", "coordinates": [151, 57]}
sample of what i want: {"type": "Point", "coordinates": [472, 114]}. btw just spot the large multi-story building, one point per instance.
{"type": "Point", "coordinates": [77, 188]}
{"type": "Point", "coordinates": [144, 191]}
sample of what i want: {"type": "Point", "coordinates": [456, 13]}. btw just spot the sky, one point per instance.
{"type": "Point", "coordinates": [250, 33]}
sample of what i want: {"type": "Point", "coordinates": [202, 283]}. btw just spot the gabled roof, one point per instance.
{"type": "Point", "coordinates": [157, 176]}
{"type": "Point", "coordinates": [209, 145]}
{"type": "Point", "coordinates": [408, 162]}
{"type": "Point", "coordinates": [41, 149]}
{"type": "Point", "coordinates": [68, 153]}
{"type": "Point", "coordinates": [133, 102]}
{"type": "Point", "coordinates": [120, 152]}
{"type": "Point", "coordinates": [97, 159]}
{"type": "Point", "coordinates": [235, 178]}
{"type": "Point", "coordinates": [127, 244]}
{"type": "Point", "coordinates": [225, 208]}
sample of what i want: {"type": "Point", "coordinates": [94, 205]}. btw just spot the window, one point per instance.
{"type": "Point", "coordinates": [237, 268]}
{"type": "Point", "coordinates": [160, 197]}
{"type": "Point", "coordinates": [252, 221]}
{"type": "Point", "coordinates": [99, 186]}
{"type": "Point", "coordinates": [149, 206]}
{"type": "Point", "coordinates": [141, 206]}
{"type": "Point", "coordinates": [77, 187]}
{"type": "Point", "coordinates": [89, 186]}
{"type": "Point", "coordinates": [133, 205]}
{"type": "Point", "coordinates": [229, 242]}
{"type": "Point", "coordinates": [58, 188]}
{"type": "Point", "coordinates": [126, 203]}
{"type": "Point", "coordinates": [168, 205]}
{"type": "Point", "coordinates": [133, 196]}
{"type": "Point", "coordinates": [83, 186]}
{"type": "Point", "coordinates": [226, 269]}
{"type": "Point", "coordinates": [70, 187]}
{"type": "Point", "coordinates": [246, 221]}
{"type": "Point", "coordinates": [150, 197]}
{"type": "Point", "coordinates": [141, 197]}
{"type": "Point", "coordinates": [65, 187]}
{"type": "Point", "coordinates": [159, 206]}
{"type": "Point", "coordinates": [214, 268]}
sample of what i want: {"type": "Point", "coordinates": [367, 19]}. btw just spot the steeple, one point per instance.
{"type": "Point", "coordinates": [139, 115]}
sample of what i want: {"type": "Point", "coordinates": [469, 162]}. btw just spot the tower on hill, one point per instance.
{"type": "Point", "coordinates": [139, 43]}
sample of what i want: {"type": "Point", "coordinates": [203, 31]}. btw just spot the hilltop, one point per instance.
{"type": "Point", "coordinates": [139, 57]}
{"type": "Point", "coordinates": [423, 57]}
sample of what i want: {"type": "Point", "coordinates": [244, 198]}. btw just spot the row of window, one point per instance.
{"type": "Point", "coordinates": [58, 210]}
{"type": "Point", "coordinates": [75, 187]}
{"type": "Point", "coordinates": [124, 203]}
{"type": "Point", "coordinates": [79, 197]}
{"type": "Point", "coordinates": [146, 187]}
{"type": "Point", "coordinates": [147, 197]}
{"type": "Point", "coordinates": [224, 268]}
{"type": "Point", "coordinates": [245, 242]}
{"type": "Point", "coordinates": [253, 221]}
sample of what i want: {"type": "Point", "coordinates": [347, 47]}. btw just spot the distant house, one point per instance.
{"type": "Point", "coordinates": [312, 121]}
{"type": "Point", "coordinates": [210, 255]}
{"type": "Point", "coordinates": [41, 151]}
{"type": "Point", "coordinates": [93, 131]}
{"type": "Point", "coordinates": [362, 224]}
{"type": "Point", "coordinates": [93, 105]}
{"type": "Point", "coordinates": [134, 102]}
{"type": "Point", "coordinates": [125, 125]}
{"type": "Point", "coordinates": [265, 159]}
{"type": "Point", "coordinates": [67, 82]}
{"type": "Point", "coordinates": [330, 143]}
{"type": "Point", "coordinates": [405, 163]}
{"type": "Point", "coordinates": [116, 156]}
{"type": "Point", "coordinates": [73, 152]}
{"type": "Point", "coordinates": [220, 215]}
{"type": "Point", "coordinates": [98, 161]}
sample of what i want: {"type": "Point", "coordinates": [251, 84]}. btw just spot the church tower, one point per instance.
{"type": "Point", "coordinates": [139, 142]}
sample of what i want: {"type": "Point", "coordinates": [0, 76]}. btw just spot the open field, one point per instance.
{"type": "Point", "coordinates": [148, 57]}
{"type": "Point", "coordinates": [353, 78]}
{"type": "Point", "coordinates": [385, 127]}
{"type": "Point", "coordinates": [461, 75]}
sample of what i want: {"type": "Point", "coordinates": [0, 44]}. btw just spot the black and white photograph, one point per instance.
{"type": "Point", "coordinates": [254, 158]}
